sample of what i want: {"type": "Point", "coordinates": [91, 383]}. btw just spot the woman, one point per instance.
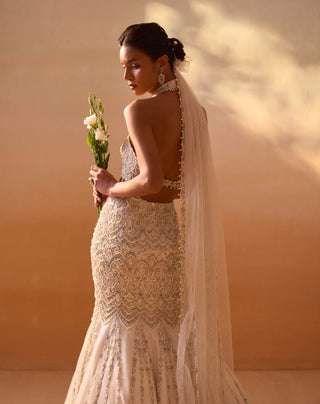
{"type": "Point", "coordinates": [160, 328]}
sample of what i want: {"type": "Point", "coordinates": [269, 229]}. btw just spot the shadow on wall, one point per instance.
{"type": "Point", "coordinates": [252, 72]}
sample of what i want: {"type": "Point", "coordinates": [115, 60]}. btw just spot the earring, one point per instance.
{"type": "Point", "coordinates": [161, 78]}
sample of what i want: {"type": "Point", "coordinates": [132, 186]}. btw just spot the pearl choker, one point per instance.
{"type": "Point", "coordinates": [171, 85]}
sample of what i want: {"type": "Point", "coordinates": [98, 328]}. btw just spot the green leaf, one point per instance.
{"type": "Point", "coordinates": [100, 107]}
{"type": "Point", "coordinates": [103, 126]}
{"type": "Point", "coordinates": [96, 159]}
{"type": "Point", "coordinates": [106, 162]}
{"type": "Point", "coordinates": [90, 100]}
{"type": "Point", "coordinates": [104, 147]}
{"type": "Point", "coordinates": [95, 142]}
{"type": "Point", "coordinates": [89, 140]}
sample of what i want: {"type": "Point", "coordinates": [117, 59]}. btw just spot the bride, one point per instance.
{"type": "Point", "coordinates": [160, 330]}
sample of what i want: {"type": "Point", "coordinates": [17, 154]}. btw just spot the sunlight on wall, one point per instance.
{"type": "Point", "coordinates": [252, 74]}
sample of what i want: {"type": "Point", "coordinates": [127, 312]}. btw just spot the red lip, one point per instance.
{"type": "Point", "coordinates": [132, 86]}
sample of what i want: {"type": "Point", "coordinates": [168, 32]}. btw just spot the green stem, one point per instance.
{"type": "Point", "coordinates": [99, 207]}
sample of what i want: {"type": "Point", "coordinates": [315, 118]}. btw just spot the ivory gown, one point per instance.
{"type": "Point", "coordinates": [129, 352]}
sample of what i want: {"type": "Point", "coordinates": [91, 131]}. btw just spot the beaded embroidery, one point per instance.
{"type": "Point", "coordinates": [171, 85]}
{"type": "Point", "coordinates": [136, 258]}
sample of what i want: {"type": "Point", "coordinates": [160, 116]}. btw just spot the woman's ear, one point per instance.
{"type": "Point", "coordinates": [163, 62]}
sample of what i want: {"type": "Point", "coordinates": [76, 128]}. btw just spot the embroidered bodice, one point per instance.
{"type": "Point", "coordinates": [130, 167]}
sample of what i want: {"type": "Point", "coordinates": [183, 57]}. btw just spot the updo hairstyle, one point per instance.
{"type": "Point", "coordinates": [153, 40]}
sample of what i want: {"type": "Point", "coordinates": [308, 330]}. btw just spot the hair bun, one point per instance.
{"type": "Point", "coordinates": [153, 40]}
{"type": "Point", "coordinates": [176, 48]}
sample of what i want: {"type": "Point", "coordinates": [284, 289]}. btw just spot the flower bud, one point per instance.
{"type": "Point", "coordinates": [90, 120]}
{"type": "Point", "coordinates": [100, 135]}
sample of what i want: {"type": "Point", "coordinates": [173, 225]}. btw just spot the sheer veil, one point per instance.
{"type": "Point", "coordinates": [205, 332]}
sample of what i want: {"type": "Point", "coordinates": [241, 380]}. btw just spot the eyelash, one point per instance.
{"type": "Point", "coordinates": [132, 66]}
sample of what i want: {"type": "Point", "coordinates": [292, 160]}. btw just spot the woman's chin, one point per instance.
{"type": "Point", "coordinates": [138, 91]}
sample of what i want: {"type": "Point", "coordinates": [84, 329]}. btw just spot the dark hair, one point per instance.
{"type": "Point", "coordinates": [153, 40]}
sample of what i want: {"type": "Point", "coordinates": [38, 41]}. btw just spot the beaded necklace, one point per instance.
{"type": "Point", "coordinates": [171, 85]}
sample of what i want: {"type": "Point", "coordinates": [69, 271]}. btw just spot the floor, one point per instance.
{"type": "Point", "coordinates": [262, 387]}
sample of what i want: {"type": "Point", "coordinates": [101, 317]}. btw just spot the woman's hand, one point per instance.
{"type": "Point", "coordinates": [102, 180]}
{"type": "Point", "coordinates": [98, 197]}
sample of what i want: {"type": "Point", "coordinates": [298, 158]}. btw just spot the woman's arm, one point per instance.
{"type": "Point", "coordinates": [150, 179]}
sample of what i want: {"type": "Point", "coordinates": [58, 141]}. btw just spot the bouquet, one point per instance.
{"type": "Point", "coordinates": [98, 136]}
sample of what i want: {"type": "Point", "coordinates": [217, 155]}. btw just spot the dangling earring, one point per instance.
{"type": "Point", "coordinates": [161, 78]}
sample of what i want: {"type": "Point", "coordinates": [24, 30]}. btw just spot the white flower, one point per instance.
{"type": "Point", "coordinates": [90, 120]}
{"type": "Point", "coordinates": [89, 126]}
{"type": "Point", "coordinates": [100, 135]}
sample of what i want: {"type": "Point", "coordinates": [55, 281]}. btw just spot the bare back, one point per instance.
{"type": "Point", "coordinates": [163, 112]}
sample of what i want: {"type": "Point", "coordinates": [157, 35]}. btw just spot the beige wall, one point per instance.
{"type": "Point", "coordinates": [256, 68]}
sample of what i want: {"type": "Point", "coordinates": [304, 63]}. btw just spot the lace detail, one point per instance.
{"type": "Point", "coordinates": [172, 184]}
{"type": "Point", "coordinates": [135, 261]}
{"type": "Point", "coordinates": [130, 167]}
{"type": "Point", "coordinates": [135, 255]}
{"type": "Point", "coordinates": [161, 388]}
{"type": "Point", "coordinates": [171, 85]}
{"type": "Point", "coordinates": [129, 163]}
{"type": "Point", "coordinates": [136, 365]}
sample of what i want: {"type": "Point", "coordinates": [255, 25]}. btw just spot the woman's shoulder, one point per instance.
{"type": "Point", "coordinates": [140, 104]}
{"type": "Point", "coordinates": [140, 108]}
